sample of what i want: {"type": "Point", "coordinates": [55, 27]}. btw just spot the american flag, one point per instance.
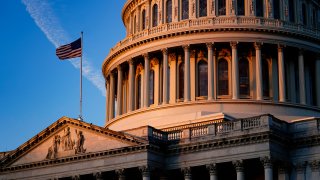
{"type": "Point", "coordinates": [71, 50]}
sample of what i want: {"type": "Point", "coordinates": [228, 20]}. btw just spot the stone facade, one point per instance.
{"type": "Point", "coordinates": [199, 89]}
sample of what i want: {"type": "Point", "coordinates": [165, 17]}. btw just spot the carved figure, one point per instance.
{"type": "Point", "coordinates": [66, 140]}
{"type": "Point", "coordinates": [79, 144]}
{"type": "Point", "coordinates": [53, 150]}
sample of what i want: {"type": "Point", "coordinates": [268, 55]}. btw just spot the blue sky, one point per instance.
{"type": "Point", "coordinates": [36, 88]}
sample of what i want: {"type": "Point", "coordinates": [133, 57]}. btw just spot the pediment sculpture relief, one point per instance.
{"type": "Point", "coordinates": [65, 145]}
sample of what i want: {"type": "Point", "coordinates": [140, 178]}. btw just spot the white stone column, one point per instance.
{"type": "Point", "coordinates": [119, 91]}
{"type": "Point", "coordinates": [186, 73]}
{"type": "Point", "coordinates": [212, 168]}
{"type": "Point", "coordinates": [300, 169]}
{"type": "Point", "coordinates": [107, 99]}
{"type": "Point", "coordinates": [235, 71]}
{"type": "Point", "coordinates": [145, 170]}
{"type": "Point", "coordinates": [283, 172]}
{"type": "Point", "coordinates": [131, 86]}
{"type": "Point", "coordinates": [267, 164]}
{"type": "Point", "coordinates": [187, 173]}
{"type": "Point", "coordinates": [281, 71]}
{"type": "Point", "coordinates": [193, 81]}
{"type": "Point", "coordinates": [173, 78]}
{"type": "Point", "coordinates": [121, 174]}
{"type": "Point", "coordinates": [215, 75]}
{"type": "Point", "coordinates": [146, 80]}
{"type": "Point", "coordinates": [112, 96]}
{"type": "Point", "coordinates": [259, 79]}
{"type": "Point", "coordinates": [302, 87]}
{"type": "Point", "coordinates": [210, 71]}
{"type": "Point", "coordinates": [239, 169]}
{"type": "Point", "coordinates": [315, 171]}
{"type": "Point", "coordinates": [317, 75]}
{"type": "Point", "coordinates": [165, 76]}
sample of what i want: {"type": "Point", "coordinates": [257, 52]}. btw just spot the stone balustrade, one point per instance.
{"type": "Point", "coordinates": [262, 123]}
{"type": "Point", "coordinates": [217, 23]}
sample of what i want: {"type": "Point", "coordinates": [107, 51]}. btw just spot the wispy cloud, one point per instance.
{"type": "Point", "coordinates": [45, 18]}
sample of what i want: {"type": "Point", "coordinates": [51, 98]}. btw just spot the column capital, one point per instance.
{"type": "Point", "coordinates": [233, 44]}
{"type": "Point", "coordinates": [266, 161]}
{"type": "Point", "coordinates": [210, 45]}
{"type": "Point", "coordinates": [314, 165]}
{"type": "Point", "coordinates": [75, 177]}
{"type": "Point", "coordinates": [131, 61]}
{"type": "Point", "coordinates": [284, 167]}
{"type": "Point", "coordinates": [186, 47]}
{"type": "Point", "coordinates": [120, 172]}
{"type": "Point", "coordinates": [146, 55]}
{"type": "Point", "coordinates": [300, 167]}
{"type": "Point", "coordinates": [212, 168]}
{"type": "Point", "coordinates": [145, 170]}
{"type": "Point", "coordinates": [186, 172]}
{"type": "Point", "coordinates": [119, 67]}
{"type": "Point", "coordinates": [97, 175]}
{"type": "Point", "coordinates": [238, 164]}
{"type": "Point", "coordinates": [280, 47]}
{"type": "Point", "coordinates": [164, 51]}
{"type": "Point", "coordinates": [258, 45]}
{"type": "Point", "coordinates": [301, 51]}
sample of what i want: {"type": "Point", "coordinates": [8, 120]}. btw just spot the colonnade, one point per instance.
{"type": "Point", "coordinates": [142, 15]}
{"type": "Point", "coordinates": [167, 81]}
{"type": "Point", "coordinates": [283, 172]}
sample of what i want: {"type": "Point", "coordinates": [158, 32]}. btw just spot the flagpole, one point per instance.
{"type": "Point", "coordinates": [80, 116]}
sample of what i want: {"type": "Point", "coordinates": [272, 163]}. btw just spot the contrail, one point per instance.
{"type": "Point", "coordinates": [45, 18]}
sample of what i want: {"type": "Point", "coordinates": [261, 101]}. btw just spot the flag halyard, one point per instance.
{"type": "Point", "coordinates": [69, 51]}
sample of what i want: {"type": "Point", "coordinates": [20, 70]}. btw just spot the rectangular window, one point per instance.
{"type": "Point", "coordinates": [222, 7]}
{"type": "Point", "coordinates": [259, 8]}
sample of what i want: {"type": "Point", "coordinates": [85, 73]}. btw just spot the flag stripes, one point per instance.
{"type": "Point", "coordinates": [71, 50]}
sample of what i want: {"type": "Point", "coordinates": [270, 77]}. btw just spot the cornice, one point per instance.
{"type": "Point", "coordinates": [81, 157]}
{"type": "Point", "coordinates": [219, 143]}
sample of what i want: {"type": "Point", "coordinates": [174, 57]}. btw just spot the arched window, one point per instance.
{"type": "Point", "coordinates": [291, 11]}
{"type": "Point", "coordinates": [265, 78]}
{"type": "Point", "coordinates": [223, 77]}
{"type": "Point", "coordinates": [151, 87]}
{"type": "Point", "coordinates": [222, 7]}
{"type": "Point", "coordinates": [240, 7]}
{"type": "Point", "coordinates": [185, 9]}
{"type": "Point", "coordinates": [138, 97]}
{"type": "Point", "coordinates": [143, 15]}
{"type": "Point", "coordinates": [202, 78]}
{"type": "Point", "coordinates": [155, 15]}
{"type": "Point", "coordinates": [169, 11]}
{"type": "Point", "coordinates": [202, 8]}
{"type": "Point", "coordinates": [259, 8]}
{"type": "Point", "coordinates": [244, 77]}
{"type": "Point", "coordinates": [304, 14]}
{"type": "Point", "coordinates": [181, 81]}
{"type": "Point", "coordinates": [276, 9]}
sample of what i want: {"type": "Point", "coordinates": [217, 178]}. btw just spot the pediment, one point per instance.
{"type": "Point", "coordinates": [68, 137]}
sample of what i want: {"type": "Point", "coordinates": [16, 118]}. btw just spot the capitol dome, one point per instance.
{"type": "Point", "coordinates": [198, 89]}
{"type": "Point", "coordinates": [187, 61]}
